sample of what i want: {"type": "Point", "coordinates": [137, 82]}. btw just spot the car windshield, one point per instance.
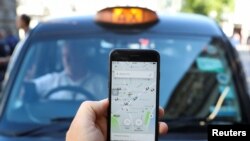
{"type": "Point", "coordinates": [57, 74]}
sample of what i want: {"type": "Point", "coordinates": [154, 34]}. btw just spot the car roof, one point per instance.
{"type": "Point", "coordinates": [179, 23]}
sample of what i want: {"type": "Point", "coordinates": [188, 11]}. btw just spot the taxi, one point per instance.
{"type": "Point", "coordinates": [64, 62]}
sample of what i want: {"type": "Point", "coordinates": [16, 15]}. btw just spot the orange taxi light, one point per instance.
{"type": "Point", "coordinates": [126, 16]}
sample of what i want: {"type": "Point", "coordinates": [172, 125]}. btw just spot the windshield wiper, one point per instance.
{"type": "Point", "coordinates": [193, 120]}
{"type": "Point", "coordinates": [197, 123]}
{"type": "Point", "coordinates": [62, 119]}
{"type": "Point", "coordinates": [57, 126]}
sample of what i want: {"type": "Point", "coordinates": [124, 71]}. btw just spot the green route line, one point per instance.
{"type": "Point", "coordinates": [147, 118]}
{"type": "Point", "coordinates": [114, 122]}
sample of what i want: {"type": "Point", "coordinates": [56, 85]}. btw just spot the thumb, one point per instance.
{"type": "Point", "coordinates": [100, 107]}
{"type": "Point", "coordinates": [93, 109]}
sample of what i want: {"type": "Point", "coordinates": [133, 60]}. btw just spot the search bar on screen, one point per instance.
{"type": "Point", "coordinates": [134, 74]}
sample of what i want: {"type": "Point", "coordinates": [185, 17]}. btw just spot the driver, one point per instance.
{"type": "Point", "coordinates": [75, 73]}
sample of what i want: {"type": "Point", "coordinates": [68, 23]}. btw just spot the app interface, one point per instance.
{"type": "Point", "coordinates": [133, 104]}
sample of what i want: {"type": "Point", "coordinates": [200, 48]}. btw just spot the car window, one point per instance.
{"type": "Point", "coordinates": [57, 74]}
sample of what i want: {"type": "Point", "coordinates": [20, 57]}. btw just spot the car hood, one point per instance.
{"type": "Point", "coordinates": [2, 138]}
{"type": "Point", "coordinates": [169, 137]}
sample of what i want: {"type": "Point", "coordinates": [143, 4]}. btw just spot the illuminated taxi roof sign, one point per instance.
{"type": "Point", "coordinates": [126, 16]}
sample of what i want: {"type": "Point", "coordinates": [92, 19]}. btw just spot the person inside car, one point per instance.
{"type": "Point", "coordinates": [76, 81]}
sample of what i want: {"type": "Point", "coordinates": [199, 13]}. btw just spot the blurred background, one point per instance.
{"type": "Point", "coordinates": [230, 14]}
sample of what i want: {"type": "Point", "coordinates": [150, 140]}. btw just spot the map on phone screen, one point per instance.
{"type": "Point", "coordinates": [133, 100]}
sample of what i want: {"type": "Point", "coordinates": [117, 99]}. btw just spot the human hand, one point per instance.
{"type": "Point", "coordinates": [90, 122]}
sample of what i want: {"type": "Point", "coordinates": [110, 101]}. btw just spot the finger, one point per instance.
{"type": "Point", "coordinates": [100, 107]}
{"type": "Point", "coordinates": [163, 128]}
{"type": "Point", "coordinates": [161, 112]}
{"type": "Point", "coordinates": [93, 108]}
{"type": "Point", "coordinates": [105, 104]}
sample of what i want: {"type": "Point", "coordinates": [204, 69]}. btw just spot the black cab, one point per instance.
{"type": "Point", "coordinates": [64, 62]}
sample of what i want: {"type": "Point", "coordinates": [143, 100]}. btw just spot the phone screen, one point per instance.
{"type": "Point", "coordinates": [133, 101]}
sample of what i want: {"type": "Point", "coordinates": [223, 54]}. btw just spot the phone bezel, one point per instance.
{"type": "Point", "coordinates": [134, 55]}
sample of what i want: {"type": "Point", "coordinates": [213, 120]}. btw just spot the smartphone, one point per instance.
{"type": "Point", "coordinates": [133, 95]}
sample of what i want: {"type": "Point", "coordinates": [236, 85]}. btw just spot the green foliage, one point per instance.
{"type": "Point", "coordinates": [205, 7]}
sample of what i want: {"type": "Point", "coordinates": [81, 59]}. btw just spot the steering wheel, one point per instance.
{"type": "Point", "coordinates": [31, 96]}
{"type": "Point", "coordinates": [74, 89]}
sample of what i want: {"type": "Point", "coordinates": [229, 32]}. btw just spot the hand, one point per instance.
{"type": "Point", "coordinates": [90, 122]}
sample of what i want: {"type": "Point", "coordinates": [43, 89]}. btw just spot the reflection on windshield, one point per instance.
{"type": "Point", "coordinates": [58, 74]}
{"type": "Point", "coordinates": [219, 103]}
{"type": "Point", "coordinates": [206, 90]}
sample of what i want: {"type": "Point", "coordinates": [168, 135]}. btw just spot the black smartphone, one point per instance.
{"type": "Point", "coordinates": [133, 95]}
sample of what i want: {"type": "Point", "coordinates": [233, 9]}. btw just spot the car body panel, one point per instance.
{"type": "Point", "coordinates": [27, 139]}
{"type": "Point", "coordinates": [173, 23]}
